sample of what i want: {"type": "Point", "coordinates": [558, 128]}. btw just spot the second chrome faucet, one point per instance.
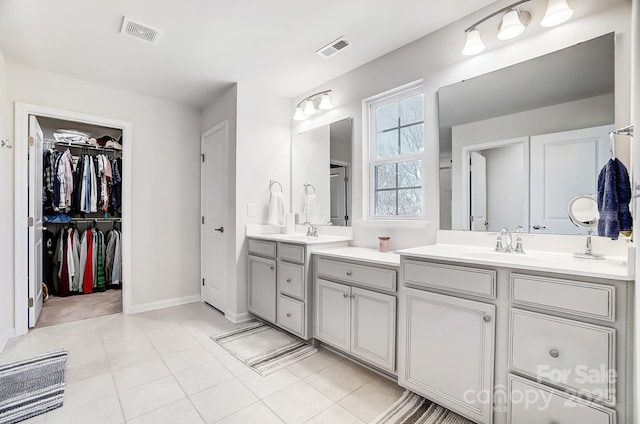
{"type": "Point", "coordinates": [504, 242]}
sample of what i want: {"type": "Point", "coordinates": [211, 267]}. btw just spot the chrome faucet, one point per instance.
{"type": "Point", "coordinates": [504, 242]}
{"type": "Point", "coordinates": [519, 248]}
{"type": "Point", "coordinates": [312, 230]}
{"type": "Point", "coordinates": [508, 240]}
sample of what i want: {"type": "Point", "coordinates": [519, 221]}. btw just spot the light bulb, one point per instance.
{"type": "Point", "coordinates": [299, 115]}
{"type": "Point", "coordinates": [325, 102]}
{"type": "Point", "coordinates": [558, 11]}
{"type": "Point", "coordinates": [309, 108]}
{"type": "Point", "coordinates": [474, 44]}
{"type": "Point", "coordinates": [511, 25]}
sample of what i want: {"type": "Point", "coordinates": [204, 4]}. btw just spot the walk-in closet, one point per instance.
{"type": "Point", "coordinates": [80, 260]}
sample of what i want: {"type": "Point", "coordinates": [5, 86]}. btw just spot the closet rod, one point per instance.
{"type": "Point", "coordinates": [96, 219]}
{"type": "Point", "coordinates": [81, 146]}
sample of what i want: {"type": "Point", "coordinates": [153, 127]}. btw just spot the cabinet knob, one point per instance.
{"type": "Point", "coordinates": [349, 273]}
{"type": "Point", "coordinates": [345, 295]}
{"type": "Point", "coordinates": [289, 315]}
{"type": "Point", "coordinates": [353, 296]}
{"type": "Point", "coordinates": [288, 280]}
{"type": "Point", "coordinates": [271, 268]}
{"type": "Point", "coordinates": [554, 353]}
{"type": "Point", "coordinates": [486, 318]}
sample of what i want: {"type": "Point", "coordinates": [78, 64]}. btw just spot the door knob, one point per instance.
{"type": "Point", "coordinates": [539, 227]}
{"type": "Point", "coordinates": [554, 353]}
{"type": "Point", "coordinates": [221, 229]}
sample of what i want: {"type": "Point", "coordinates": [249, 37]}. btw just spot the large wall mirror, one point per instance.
{"type": "Point", "coordinates": [321, 166]}
{"type": "Point", "coordinates": [517, 144]}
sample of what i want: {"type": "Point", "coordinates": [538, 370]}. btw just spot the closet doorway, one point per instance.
{"type": "Point", "coordinates": [73, 172]}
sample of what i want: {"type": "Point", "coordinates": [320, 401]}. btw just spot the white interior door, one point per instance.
{"type": "Point", "coordinates": [214, 206]}
{"type": "Point", "coordinates": [573, 158]}
{"type": "Point", "coordinates": [338, 180]}
{"type": "Point", "coordinates": [35, 221]}
{"type": "Point", "coordinates": [478, 186]}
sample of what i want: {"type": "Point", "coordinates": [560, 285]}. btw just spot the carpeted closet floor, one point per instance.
{"type": "Point", "coordinates": [58, 310]}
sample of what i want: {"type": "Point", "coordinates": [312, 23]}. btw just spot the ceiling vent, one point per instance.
{"type": "Point", "coordinates": [140, 31]}
{"type": "Point", "coordinates": [333, 48]}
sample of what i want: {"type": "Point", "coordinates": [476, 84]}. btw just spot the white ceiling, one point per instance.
{"type": "Point", "coordinates": [208, 44]}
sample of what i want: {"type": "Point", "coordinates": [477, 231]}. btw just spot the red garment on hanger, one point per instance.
{"type": "Point", "coordinates": [87, 281]}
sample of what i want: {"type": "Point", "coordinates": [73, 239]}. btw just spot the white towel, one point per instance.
{"type": "Point", "coordinates": [311, 209]}
{"type": "Point", "coordinates": [276, 209]}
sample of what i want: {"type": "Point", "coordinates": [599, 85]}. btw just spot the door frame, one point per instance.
{"type": "Point", "coordinates": [224, 126]}
{"type": "Point", "coordinates": [21, 165]}
{"type": "Point", "coordinates": [465, 191]}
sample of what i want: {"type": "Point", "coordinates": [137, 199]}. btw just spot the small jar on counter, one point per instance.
{"type": "Point", "coordinates": [383, 246]}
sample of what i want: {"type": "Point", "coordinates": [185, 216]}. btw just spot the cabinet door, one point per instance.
{"type": "Point", "coordinates": [447, 350]}
{"type": "Point", "coordinates": [262, 287]}
{"type": "Point", "coordinates": [332, 310]}
{"type": "Point", "coordinates": [373, 327]}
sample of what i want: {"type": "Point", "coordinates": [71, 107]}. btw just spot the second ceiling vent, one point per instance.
{"type": "Point", "coordinates": [140, 31]}
{"type": "Point", "coordinates": [333, 48]}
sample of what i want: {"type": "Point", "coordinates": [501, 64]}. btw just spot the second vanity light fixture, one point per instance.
{"type": "Point", "coordinates": [514, 22]}
{"type": "Point", "coordinates": [307, 106]}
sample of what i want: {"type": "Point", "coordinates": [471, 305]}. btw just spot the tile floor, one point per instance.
{"type": "Point", "coordinates": [162, 367]}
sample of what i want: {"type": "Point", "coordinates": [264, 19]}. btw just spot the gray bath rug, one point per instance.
{"type": "Point", "coordinates": [414, 409]}
{"type": "Point", "coordinates": [31, 387]}
{"type": "Point", "coordinates": [263, 348]}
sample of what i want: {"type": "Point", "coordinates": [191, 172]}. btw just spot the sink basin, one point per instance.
{"type": "Point", "coordinates": [501, 256]}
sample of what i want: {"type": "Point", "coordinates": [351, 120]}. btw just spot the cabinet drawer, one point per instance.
{"type": "Point", "coordinates": [457, 279]}
{"type": "Point", "coordinates": [291, 315]}
{"type": "Point", "coordinates": [570, 354]}
{"type": "Point", "coordinates": [291, 252]}
{"type": "Point", "coordinates": [369, 276]}
{"type": "Point", "coordinates": [291, 279]}
{"type": "Point", "coordinates": [262, 248]}
{"type": "Point", "coordinates": [533, 403]}
{"type": "Point", "coordinates": [571, 297]}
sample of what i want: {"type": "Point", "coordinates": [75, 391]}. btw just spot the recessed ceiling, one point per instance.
{"type": "Point", "coordinates": [206, 45]}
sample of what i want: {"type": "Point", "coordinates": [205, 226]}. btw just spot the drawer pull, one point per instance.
{"type": "Point", "coordinates": [271, 268]}
{"type": "Point", "coordinates": [288, 280]}
{"type": "Point", "coordinates": [348, 273]}
{"type": "Point", "coordinates": [289, 315]}
{"type": "Point", "coordinates": [345, 295]}
{"type": "Point", "coordinates": [353, 296]}
{"type": "Point", "coordinates": [486, 318]}
{"type": "Point", "coordinates": [554, 353]}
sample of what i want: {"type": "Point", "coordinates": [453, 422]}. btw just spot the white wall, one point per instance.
{"type": "Point", "coordinates": [437, 60]}
{"type": "Point", "coordinates": [225, 107]}
{"type": "Point", "coordinates": [6, 223]}
{"type": "Point", "coordinates": [165, 182]}
{"type": "Point", "coordinates": [505, 187]}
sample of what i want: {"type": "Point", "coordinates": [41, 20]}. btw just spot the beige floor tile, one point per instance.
{"type": "Point", "coordinates": [186, 359]}
{"type": "Point", "coordinates": [103, 411]}
{"type": "Point", "coordinates": [203, 376]}
{"type": "Point", "coordinates": [335, 382]}
{"type": "Point", "coordinates": [149, 396]}
{"type": "Point", "coordinates": [174, 343]}
{"type": "Point", "coordinates": [144, 372]}
{"type": "Point", "coordinates": [335, 415]}
{"type": "Point", "coordinates": [182, 412]}
{"type": "Point", "coordinates": [256, 413]}
{"type": "Point", "coordinates": [311, 365]}
{"type": "Point", "coordinates": [88, 390]}
{"type": "Point", "coordinates": [122, 359]}
{"type": "Point", "coordinates": [371, 400]}
{"type": "Point", "coordinates": [265, 386]}
{"type": "Point", "coordinates": [297, 403]}
{"type": "Point", "coordinates": [222, 400]}
{"type": "Point", "coordinates": [87, 369]}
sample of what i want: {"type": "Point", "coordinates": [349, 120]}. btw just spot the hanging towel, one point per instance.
{"type": "Point", "coordinates": [614, 195]}
{"type": "Point", "coordinates": [311, 208]}
{"type": "Point", "coordinates": [276, 209]}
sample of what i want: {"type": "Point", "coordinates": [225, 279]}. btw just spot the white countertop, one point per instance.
{"type": "Point", "coordinates": [299, 238]}
{"type": "Point", "coordinates": [363, 254]}
{"type": "Point", "coordinates": [614, 268]}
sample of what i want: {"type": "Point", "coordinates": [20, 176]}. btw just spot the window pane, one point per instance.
{"type": "Point", "coordinates": [409, 174]}
{"type": "Point", "coordinates": [385, 176]}
{"type": "Point", "coordinates": [412, 139]}
{"type": "Point", "coordinates": [387, 144]}
{"type": "Point", "coordinates": [410, 202]}
{"type": "Point", "coordinates": [385, 203]}
{"type": "Point", "coordinates": [412, 110]}
{"type": "Point", "coordinates": [386, 117]}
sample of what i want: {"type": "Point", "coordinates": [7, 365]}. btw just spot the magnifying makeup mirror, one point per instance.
{"type": "Point", "coordinates": [583, 212]}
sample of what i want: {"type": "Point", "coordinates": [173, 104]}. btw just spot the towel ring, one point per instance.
{"type": "Point", "coordinates": [612, 144]}
{"type": "Point", "coordinates": [306, 189]}
{"type": "Point", "coordinates": [272, 183]}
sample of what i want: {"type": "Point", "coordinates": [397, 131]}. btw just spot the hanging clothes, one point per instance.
{"type": "Point", "coordinates": [116, 185]}
{"type": "Point", "coordinates": [68, 259]}
{"type": "Point", "coordinates": [48, 254]}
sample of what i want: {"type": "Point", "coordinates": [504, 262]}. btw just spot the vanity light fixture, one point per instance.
{"type": "Point", "coordinates": [558, 11]}
{"type": "Point", "coordinates": [514, 22]}
{"type": "Point", "coordinates": [307, 106]}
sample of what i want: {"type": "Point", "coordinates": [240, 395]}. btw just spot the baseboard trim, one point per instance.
{"type": "Point", "coordinates": [5, 335]}
{"type": "Point", "coordinates": [238, 318]}
{"type": "Point", "coordinates": [152, 306]}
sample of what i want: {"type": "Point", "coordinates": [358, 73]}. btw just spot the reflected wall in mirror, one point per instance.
{"type": "Point", "coordinates": [517, 144]}
{"type": "Point", "coordinates": [321, 157]}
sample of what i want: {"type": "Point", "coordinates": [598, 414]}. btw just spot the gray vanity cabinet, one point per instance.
{"type": "Point", "coordinates": [262, 280]}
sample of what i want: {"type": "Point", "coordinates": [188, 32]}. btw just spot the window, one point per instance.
{"type": "Point", "coordinates": [396, 146]}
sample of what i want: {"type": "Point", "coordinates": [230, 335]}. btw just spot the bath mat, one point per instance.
{"type": "Point", "coordinates": [31, 387]}
{"type": "Point", "coordinates": [414, 409]}
{"type": "Point", "coordinates": [263, 348]}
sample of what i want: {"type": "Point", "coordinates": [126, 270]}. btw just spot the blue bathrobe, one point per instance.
{"type": "Point", "coordinates": [614, 195]}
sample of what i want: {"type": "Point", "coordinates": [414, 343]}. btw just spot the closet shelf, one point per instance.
{"type": "Point", "coordinates": [82, 146]}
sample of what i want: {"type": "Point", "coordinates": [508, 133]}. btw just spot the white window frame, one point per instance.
{"type": "Point", "coordinates": [370, 158]}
